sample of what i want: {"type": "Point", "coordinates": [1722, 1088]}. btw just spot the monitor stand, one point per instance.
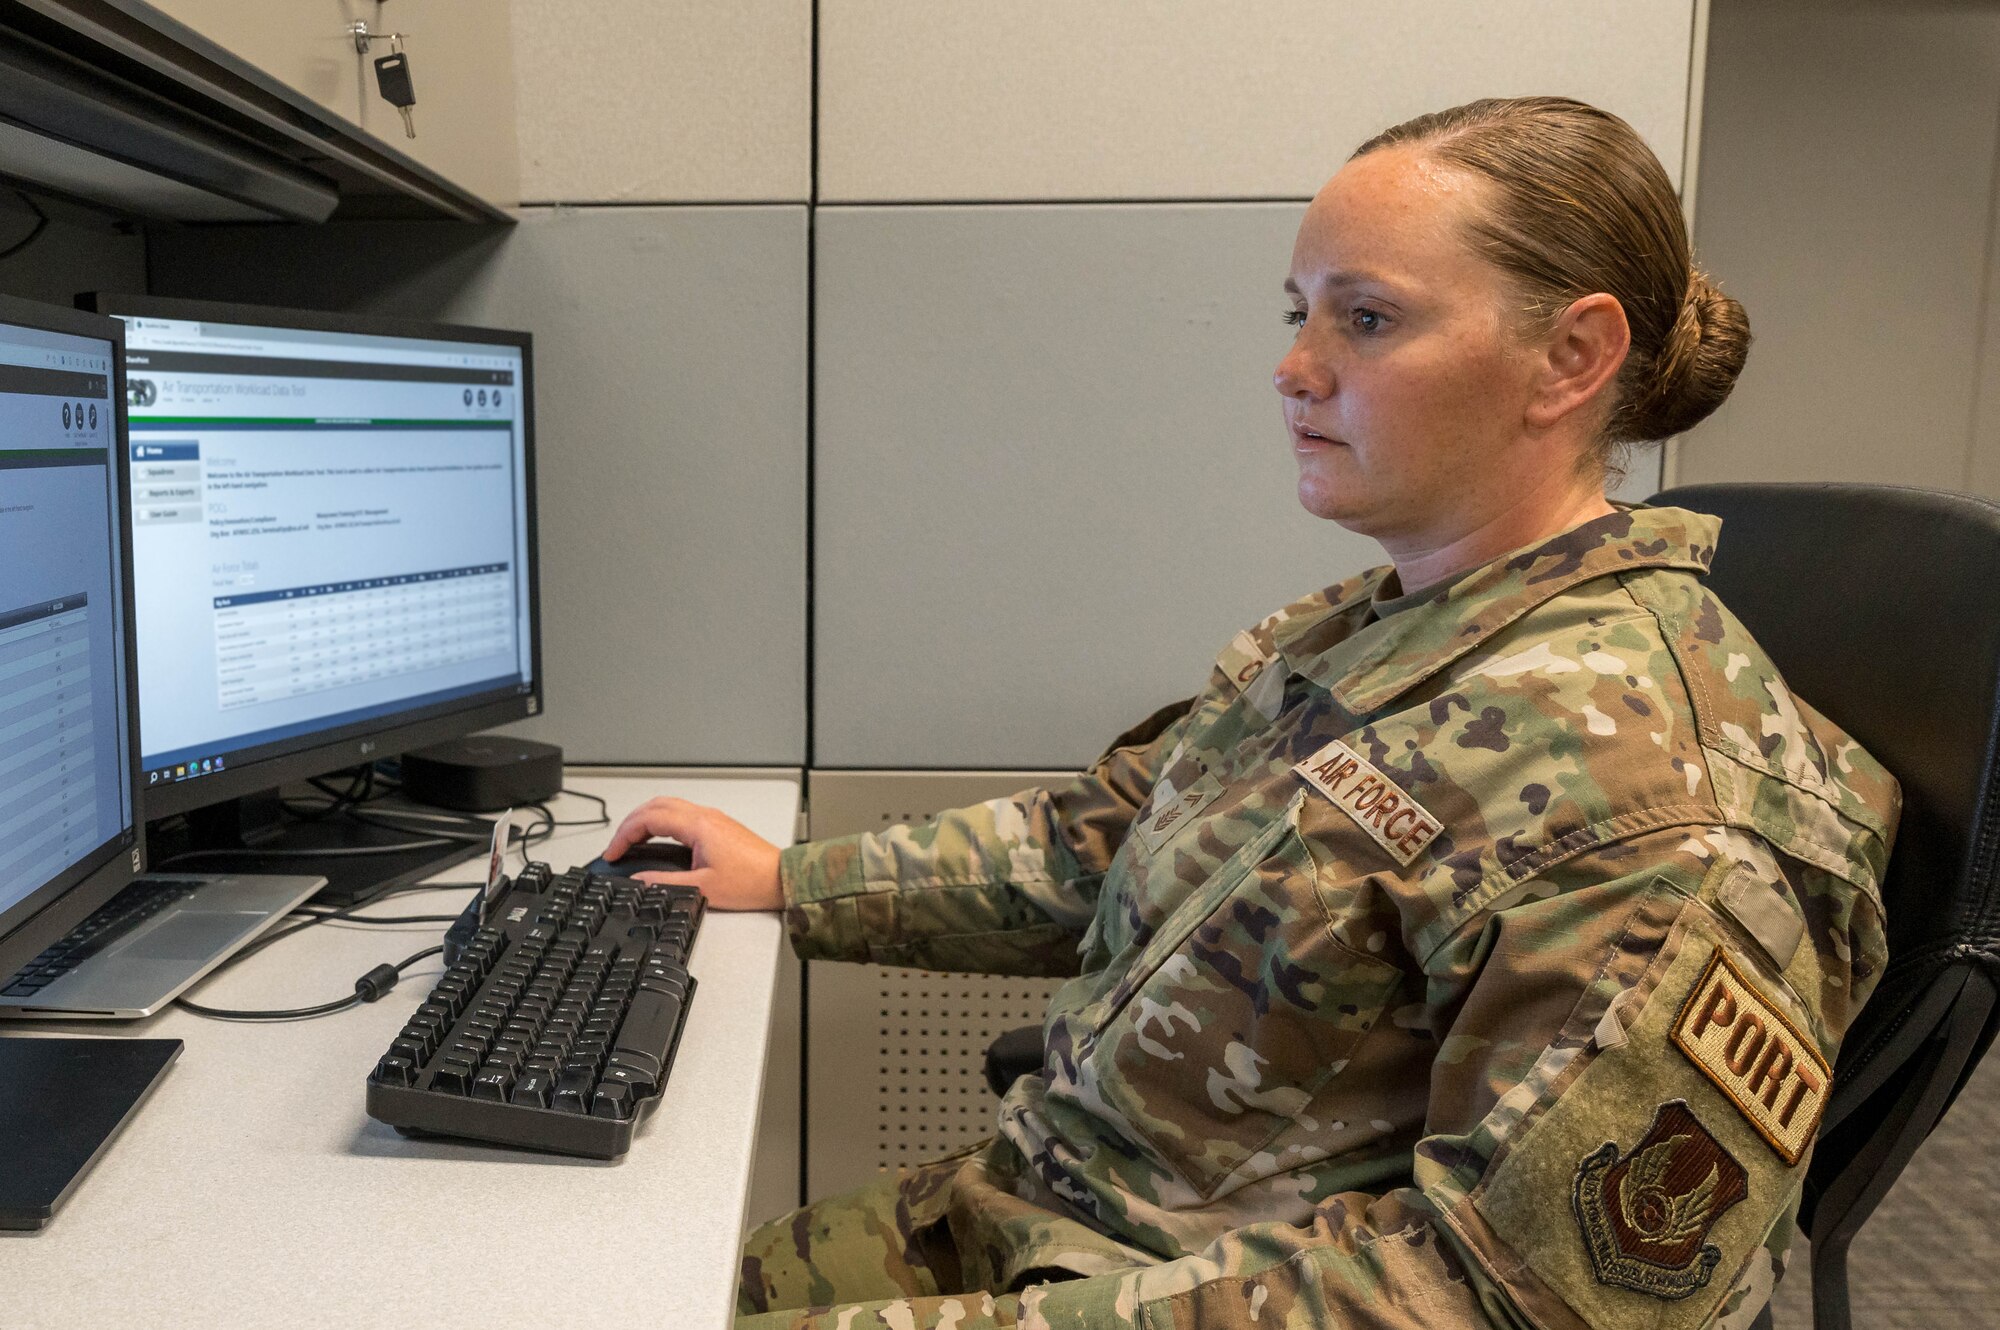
{"type": "Point", "coordinates": [61, 1102]}
{"type": "Point", "coordinates": [254, 834]}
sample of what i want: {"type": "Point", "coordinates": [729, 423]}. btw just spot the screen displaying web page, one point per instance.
{"type": "Point", "coordinates": [329, 530]}
{"type": "Point", "coordinates": [64, 791]}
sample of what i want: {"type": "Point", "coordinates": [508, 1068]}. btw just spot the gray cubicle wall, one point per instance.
{"type": "Point", "coordinates": [1053, 477]}
{"type": "Point", "coordinates": [1052, 474]}
{"type": "Point", "coordinates": [670, 352]}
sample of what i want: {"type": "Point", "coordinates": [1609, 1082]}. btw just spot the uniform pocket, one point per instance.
{"type": "Point", "coordinates": [1239, 1013]}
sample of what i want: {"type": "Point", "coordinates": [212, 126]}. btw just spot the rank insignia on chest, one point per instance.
{"type": "Point", "coordinates": [1379, 806]}
{"type": "Point", "coordinates": [1170, 815]}
{"type": "Point", "coordinates": [1772, 1073]}
{"type": "Point", "coordinates": [1645, 1215]}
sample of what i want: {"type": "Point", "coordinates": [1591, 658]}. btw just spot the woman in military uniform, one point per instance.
{"type": "Point", "coordinates": [1473, 949]}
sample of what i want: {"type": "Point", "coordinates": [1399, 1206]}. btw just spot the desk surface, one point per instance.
{"type": "Point", "coordinates": [252, 1189]}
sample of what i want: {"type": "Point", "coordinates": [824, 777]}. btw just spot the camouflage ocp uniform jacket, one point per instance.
{"type": "Point", "coordinates": [1478, 965]}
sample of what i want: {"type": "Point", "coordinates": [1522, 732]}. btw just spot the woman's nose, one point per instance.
{"type": "Point", "coordinates": [1303, 374]}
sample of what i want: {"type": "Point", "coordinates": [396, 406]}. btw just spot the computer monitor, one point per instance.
{"type": "Point", "coordinates": [334, 541]}
{"type": "Point", "coordinates": [68, 782]}
{"type": "Point", "coordinates": [68, 736]}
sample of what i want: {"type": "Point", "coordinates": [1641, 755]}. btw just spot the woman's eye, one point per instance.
{"type": "Point", "coordinates": [1295, 317]}
{"type": "Point", "coordinates": [1367, 320]}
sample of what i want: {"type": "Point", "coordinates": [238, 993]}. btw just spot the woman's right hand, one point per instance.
{"type": "Point", "coordinates": [735, 868]}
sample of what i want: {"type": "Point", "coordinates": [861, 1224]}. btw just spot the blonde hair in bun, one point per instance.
{"type": "Point", "coordinates": [1580, 204]}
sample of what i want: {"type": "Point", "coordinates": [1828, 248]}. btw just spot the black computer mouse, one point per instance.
{"type": "Point", "coordinates": [653, 856]}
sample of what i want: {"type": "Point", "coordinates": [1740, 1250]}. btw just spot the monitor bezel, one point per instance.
{"type": "Point", "coordinates": [58, 905]}
{"type": "Point", "coordinates": [384, 736]}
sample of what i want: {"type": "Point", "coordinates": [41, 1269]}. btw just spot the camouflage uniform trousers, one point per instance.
{"type": "Point", "coordinates": [879, 1255]}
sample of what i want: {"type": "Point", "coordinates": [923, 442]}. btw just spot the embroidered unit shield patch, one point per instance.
{"type": "Point", "coordinates": [1772, 1073]}
{"type": "Point", "coordinates": [1645, 1216]}
{"type": "Point", "coordinates": [1379, 806]}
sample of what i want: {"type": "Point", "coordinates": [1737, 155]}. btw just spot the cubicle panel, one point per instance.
{"type": "Point", "coordinates": [654, 101]}
{"type": "Point", "coordinates": [1163, 99]}
{"type": "Point", "coordinates": [1847, 177]}
{"type": "Point", "coordinates": [1051, 474]}
{"type": "Point", "coordinates": [670, 352]}
{"type": "Point", "coordinates": [895, 1058]}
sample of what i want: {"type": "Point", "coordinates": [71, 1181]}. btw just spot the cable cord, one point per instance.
{"type": "Point", "coordinates": [367, 988]}
{"type": "Point", "coordinates": [383, 977]}
{"type": "Point", "coordinates": [374, 978]}
{"type": "Point", "coordinates": [34, 232]}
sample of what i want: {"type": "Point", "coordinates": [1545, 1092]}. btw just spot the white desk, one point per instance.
{"type": "Point", "coordinates": [253, 1190]}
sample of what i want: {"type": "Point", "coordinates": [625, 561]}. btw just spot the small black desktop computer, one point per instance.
{"type": "Point", "coordinates": [333, 524]}
{"type": "Point", "coordinates": [69, 793]}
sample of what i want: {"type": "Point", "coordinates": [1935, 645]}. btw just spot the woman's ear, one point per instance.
{"type": "Point", "coordinates": [1579, 358]}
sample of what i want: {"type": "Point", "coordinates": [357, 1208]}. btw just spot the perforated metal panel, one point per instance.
{"type": "Point", "coordinates": [894, 1057]}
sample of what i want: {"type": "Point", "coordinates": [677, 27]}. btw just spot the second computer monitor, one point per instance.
{"type": "Point", "coordinates": [333, 537]}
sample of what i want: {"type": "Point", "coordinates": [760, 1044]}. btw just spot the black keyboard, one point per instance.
{"type": "Point", "coordinates": [556, 1021]}
{"type": "Point", "coordinates": [110, 921]}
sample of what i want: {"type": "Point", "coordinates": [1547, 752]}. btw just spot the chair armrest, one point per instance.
{"type": "Point", "coordinates": [1012, 1056]}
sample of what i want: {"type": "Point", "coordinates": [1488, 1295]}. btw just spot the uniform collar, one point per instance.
{"type": "Point", "coordinates": [1412, 646]}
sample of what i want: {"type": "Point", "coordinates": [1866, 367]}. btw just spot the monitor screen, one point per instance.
{"type": "Point", "coordinates": [332, 536]}
{"type": "Point", "coordinates": [66, 801]}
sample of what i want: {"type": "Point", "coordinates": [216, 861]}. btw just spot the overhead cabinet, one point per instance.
{"type": "Point", "coordinates": [210, 110]}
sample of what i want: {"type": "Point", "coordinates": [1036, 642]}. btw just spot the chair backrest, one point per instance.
{"type": "Point", "coordinates": [1881, 606]}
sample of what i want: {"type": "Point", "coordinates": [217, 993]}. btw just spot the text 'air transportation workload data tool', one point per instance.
{"type": "Point", "coordinates": [329, 529]}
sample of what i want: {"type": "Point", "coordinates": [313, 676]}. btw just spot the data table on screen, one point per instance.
{"type": "Point", "coordinates": [48, 781]}
{"type": "Point", "coordinates": [274, 645]}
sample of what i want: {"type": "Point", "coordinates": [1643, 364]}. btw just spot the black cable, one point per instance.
{"type": "Point", "coordinates": [345, 913]}
{"type": "Point", "coordinates": [334, 852]}
{"type": "Point", "coordinates": [471, 830]}
{"type": "Point", "coordinates": [379, 918]}
{"type": "Point", "coordinates": [41, 225]}
{"type": "Point", "coordinates": [383, 977]}
{"type": "Point", "coordinates": [367, 988]}
{"type": "Point", "coordinates": [546, 823]}
{"type": "Point", "coordinates": [359, 786]}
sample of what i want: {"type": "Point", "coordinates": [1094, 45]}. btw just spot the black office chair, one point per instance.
{"type": "Point", "coordinates": [1881, 605]}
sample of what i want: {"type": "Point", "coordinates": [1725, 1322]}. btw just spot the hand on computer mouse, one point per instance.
{"type": "Point", "coordinates": [735, 868]}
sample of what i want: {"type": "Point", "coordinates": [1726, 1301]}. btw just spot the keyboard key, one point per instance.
{"type": "Point", "coordinates": [493, 1082]}
{"type": "Point", "coordinates": [641, 1082]}
{"type": "Point", "coordinates": [650, 1024]}
{"type": "Point", "coordinates": [533, 1088]}
{"type": "Point", "coordinates": [452, 1076]}
{"type": "Point", "coordinates": [396, 1070]}
{"type": "Point", "coordinates": [572, 1093]}
{"type": "Point", "coordinates": [612, 1100]}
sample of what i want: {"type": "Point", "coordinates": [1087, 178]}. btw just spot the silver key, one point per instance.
{"type": "Point", "coordinates": [392, 78]}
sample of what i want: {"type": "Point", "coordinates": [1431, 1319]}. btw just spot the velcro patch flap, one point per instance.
{"type": "Point", "coordinates": [1772, 1073]}
{"type": "Point", "coordinates": [1379, 806]}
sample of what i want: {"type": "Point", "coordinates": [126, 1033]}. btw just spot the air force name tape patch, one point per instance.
{"type": "Point", "coordinates": [1772, 1073]}
{"type": "Point", "coordinates": [1379, 806]}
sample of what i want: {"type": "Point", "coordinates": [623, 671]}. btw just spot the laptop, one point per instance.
{"type": "Point", "coordinates": [147, 944]}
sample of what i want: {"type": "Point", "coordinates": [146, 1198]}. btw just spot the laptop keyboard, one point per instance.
{"type": "Point", "coordinates": [109, 922]}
